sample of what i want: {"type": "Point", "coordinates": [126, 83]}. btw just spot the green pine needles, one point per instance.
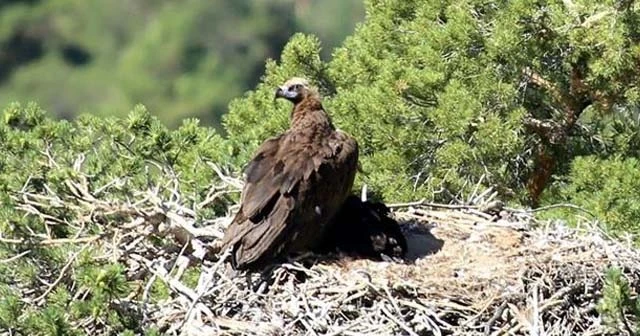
{"type": "Point", "coordinates": [66, 185]}
{"type": "Point", "coordinates": [538, 100]}
{"type": "Point", "coordinates": [619, 310]}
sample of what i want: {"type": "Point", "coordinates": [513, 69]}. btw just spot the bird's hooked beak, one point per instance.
{"type": "Point", "coordinates": [284, 92]}
{"type": "Point", "coordinates": [279, 93]}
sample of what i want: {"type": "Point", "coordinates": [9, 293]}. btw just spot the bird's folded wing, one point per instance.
{"type": "Point", "coordinates": [275, 171]}
{"type": "Point", "coordinates": [269, 198]}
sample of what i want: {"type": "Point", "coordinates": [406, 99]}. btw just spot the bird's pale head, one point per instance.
{"type": "Point", "coordinates": [296, 90]}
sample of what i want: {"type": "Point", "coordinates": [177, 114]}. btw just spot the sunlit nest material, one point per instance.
{"type": "Point", "coordinates": [468, 271]}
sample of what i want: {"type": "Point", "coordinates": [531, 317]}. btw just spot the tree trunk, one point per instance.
{"type": "Point", "coordinates": [554, 133]}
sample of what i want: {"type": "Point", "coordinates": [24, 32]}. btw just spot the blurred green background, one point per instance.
{"type": "Point", "coordinates": [184, 58]}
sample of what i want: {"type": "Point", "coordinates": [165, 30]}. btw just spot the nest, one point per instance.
{"type": "Point", "coordinates": [470, 270]}
{"type": "Point", "coordinates": [466, 273]}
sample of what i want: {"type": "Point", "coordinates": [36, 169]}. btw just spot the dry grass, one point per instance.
{"type": "Point", "coordinates": [468, 272]}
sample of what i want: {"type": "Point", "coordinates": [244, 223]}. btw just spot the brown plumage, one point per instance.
{"type": "Point", "coordinates": [295, 183]}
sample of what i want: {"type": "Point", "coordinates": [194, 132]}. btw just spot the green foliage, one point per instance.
{"type": "Point", "coordinates": [181, 59]}
{"type": "Point", "coordinates": [49, 321]}
{"type": "Point", "coordinates": [10, 308]}
{"type": "Point", "coordinates": [434, 92]}
{"type": "Point", "coordinates": [437, 96]}
{"type": "Point", "coordinates": [617, 306]}
{"type": "Point", "coordinates": [609, 189]}
{"type": "Point", "coordinates": [159, 290]}
{"type": "Point", "coordinates": [443, 97]}
{"type": "Point", "coordinates": [51, 163]}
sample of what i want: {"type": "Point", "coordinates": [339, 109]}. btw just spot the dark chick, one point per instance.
{"type": "Point", "coordinates": [365, 229]}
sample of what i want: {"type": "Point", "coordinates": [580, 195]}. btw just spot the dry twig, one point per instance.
{"type": "Point", "coordinates": [473, 269]}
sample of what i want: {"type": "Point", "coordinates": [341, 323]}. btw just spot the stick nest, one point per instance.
{"type": "Point", "coordinates": [470, 270]}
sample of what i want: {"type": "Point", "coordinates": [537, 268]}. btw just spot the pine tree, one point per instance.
{"type": "Point", "coordinates": [444, 95]}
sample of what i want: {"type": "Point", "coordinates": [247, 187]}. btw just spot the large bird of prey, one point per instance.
{"type": "Point", "coordinates": [295, 184]}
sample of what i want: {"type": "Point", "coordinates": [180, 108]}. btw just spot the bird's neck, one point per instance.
{"type": "Point", "coordinates": [309, 113]}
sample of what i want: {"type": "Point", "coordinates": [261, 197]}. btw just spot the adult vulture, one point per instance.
{"type": "Point", "coordinates": [295, 184]}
